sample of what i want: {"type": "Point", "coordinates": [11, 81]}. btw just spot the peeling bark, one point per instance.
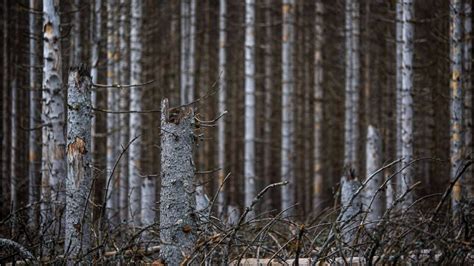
{"type": "Point", "coordinates": [178, 218]}
{"type": "Point", "coordinates": [79, 180]}
{"type": "Point", "coordinates": [53, 115]}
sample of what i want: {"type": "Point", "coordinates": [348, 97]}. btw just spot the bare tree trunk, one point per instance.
{"type": "Point", "coordinates": [124, 105]}
{"type": "Point", "coordinates": [79, 180]}
{"type": "Point", "coordinates": [76, 42]}
{"type": "Point", "coordinates": [53, 115]}
{"type": "Point", "coordinates": [467, 84]}
{"type": "Point", "coordinates": [318, 108]}
{"type": "Point", "coordinates": [14, 144]}
{"type": "Point", "coordinates": [34, 148]}
{"type": "Point", "coordinates": [398, 75]}
{"type": "Point", "coordinates": [351, 205]}
{"type": "Point", "coordinates": [456, 134]}
{"type": "Point", "coordinates": [249, 149]}
{"type": "Point", "coordinates": [268, 84]}
{"type": "Point", "coordinates": [348, 115]}
{"type": "Point", "coordinates": [287, 124]}
{"type": "Point", "coordinates": [5, 119]}
{"type": "Point", "coordinates": [373, 198]}
{"type": "Point", "coordinates": [355, 83]}
{"type": "Point", "coordinates": [112, 141]}
{"type": "Point", "coordinates": [222, 104]}
{"type": "Point", "coordinates": [407, 102]}
{"type": "Point", "coordinates": [188, 29]}
{"type": "Point", "coordinates": [177, 208]}
{"type": "Point", "coordinates": [136, 95]}
{"type": "Point", "coordinates": [96, 29]}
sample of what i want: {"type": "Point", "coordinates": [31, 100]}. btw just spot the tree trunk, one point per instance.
{"type": "Point", "coordinates": [76, 42]}
{"type": "Point", "coordinates": [348, 115]}
{"type": "Point", "coordinates": [318, 108]}
{"type": "Point", "coordinates": [407, 102]}
{"type": "Point", "coordinates": [136, 95]}
{"type": "Point", "coordinates": [188, 29]}
{"type": "Point", "coordinates": [112, 136]}
{"type": "Point", "coordinates": [222, 104]}
{"type": "Point", "coordinates": [456, 134]}
{"type": "Point", "coordinates": [355, 83]}
{"type": "Point", "coordinates": [34, 148]}
{"type": "Point", "coordinates": [96, 18]}
{"type": "Point", "coordinates": [467, 85]}
{"type": "Point", "coordinates": [79, 179]}
{"type": "Point", "coordinates": [5, 119]}
{"type": "Point", "coordinates": [287, 124]}
{"type": "Point", "coordinates": [249, 149]}
{"type": "Point", "coordinates": [269, 89]}
{"type": "Point", "coordinates": [124, 105]}
{"type": "Point", "coordinates": [373, 198]}
{"type": "Point", "coordinates": [177, 208]}
{"type": "Point", "coordinates": [351, 206]}
{"type": "Point", "coordinates": [53, 115]}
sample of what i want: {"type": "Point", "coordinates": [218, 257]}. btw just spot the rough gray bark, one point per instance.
{"type": "Point", "coordinates": [124, 78]}
{"type": "Point", "coordinates": [467, 85]}
{"type": "Point", "coordinates": [406, 178]}
{"type": "Point", "coordinates": [177, 208]}
{"type": "Point", "coordinates": [79, 180]}
{"type": "Point", "coordinates": [112, 104]}
{"type": "Point", "coordinates": [373, 202]}
{"type": "Point", "coordinates": [318, 108]}
{"type": "Point", "coordinates": [136, 95]}
{"type": "Point", "coordinates": [456, 134]}
{"type": "Point", "coordinates": [222, 104]}
{"type": "Point", "coordinates": [351, 205]}
{"type": "Point", "coordinates": [34, 148]}
{"type": "Point", "coordinates": [287, 123]}
{"type": "Point", "coordinates": [249, 149]}
{"type": "Point", "coordinates": [53, 115]}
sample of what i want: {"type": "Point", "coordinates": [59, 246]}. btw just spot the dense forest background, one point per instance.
{"type": "Point", "coordinates": [281, 91]}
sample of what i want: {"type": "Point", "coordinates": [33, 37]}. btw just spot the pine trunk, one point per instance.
{"type": "Point", "coordinates": [124, 105]}
{"type": "Point", "coordinates": [112, 136]}
{"type": "Point", "coordinates": [221, 151]}
{"type": "Point", "coordinates": [136, 95]}
{"type": "Point", "coordinates": [467, 85]}
{"type": "Point", "coordinates": [34, 148]}
{"type": "Point", "coordinates": [249, 149]}
{"type": "Point", "coordinates": [318, 108]}
{"type": "Point", "coordinates": [373, 197]}
{"type": "Point", "coordinates": [287, 123]}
